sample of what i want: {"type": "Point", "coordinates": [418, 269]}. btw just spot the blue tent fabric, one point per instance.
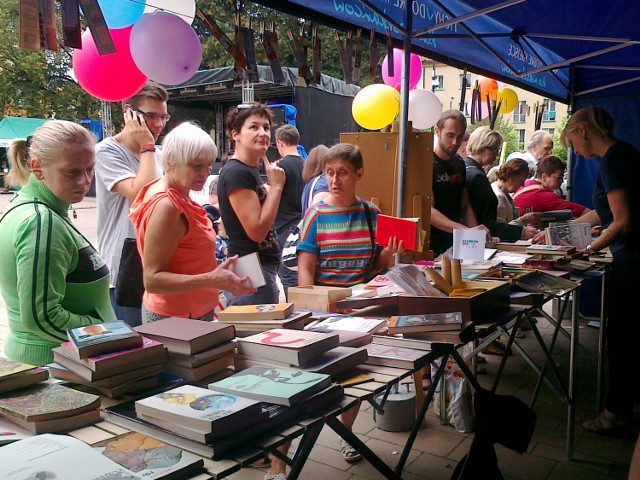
{"type": "Point", "coordinates": [290, 112]}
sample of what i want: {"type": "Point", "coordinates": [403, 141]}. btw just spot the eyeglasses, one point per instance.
{"type": "Point", "coordinates": [496, 151]}
{"type": "Point", "coordinates": [152, 116]}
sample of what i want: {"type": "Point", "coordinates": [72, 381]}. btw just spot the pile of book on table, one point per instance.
{"type": "Point", "coordinates": [307, 350]}
{"type": "Point", "coordinates": [198, 350]}
{"type": "Point", "coordinates": [111, 358]}
{"type": "Point", "coordinates": [250, 319]}
{"type": "Point", "coordinates": [15, 375]}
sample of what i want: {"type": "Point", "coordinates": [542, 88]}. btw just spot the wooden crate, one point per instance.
{"type": "Point", "coordinates": [317, 298]}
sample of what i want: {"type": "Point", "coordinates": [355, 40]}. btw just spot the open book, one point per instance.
{"type": "Point", "coordinates": [568, 233]}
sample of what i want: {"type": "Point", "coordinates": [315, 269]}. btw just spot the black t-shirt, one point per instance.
{"type": "Point", "coordinates": [237, 175]}
{"type": "Point", "coordinates": [289, 208]}
{"type": "Point", "coordinates": [449, 179]}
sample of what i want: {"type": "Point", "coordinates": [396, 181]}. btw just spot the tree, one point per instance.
{"type": "Point", "coordinates": [506, 130]}
{"type": "Point", "coordinates": [37, 84]}
{"type": "Point", "coordinates": [558, 149]}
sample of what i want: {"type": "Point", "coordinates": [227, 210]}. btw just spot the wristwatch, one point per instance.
{"type": "Point", "coordinates": [590, 249]}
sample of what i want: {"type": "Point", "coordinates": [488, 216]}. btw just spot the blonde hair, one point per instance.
{"type": "Point", "coordinates": [596, 121]}
{"type": "Point", "coordinates": [187, 142]}
{"type": "Point", "coordinates": [314, 164]}
{"type": "Point", "coordinates": [481, 138]}
{"type": "Point", "coordinates": [18, 155]}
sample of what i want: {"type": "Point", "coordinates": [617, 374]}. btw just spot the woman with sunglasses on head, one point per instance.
{"type": "Point", "coordinates": [52, 278]}
{"type": "Point", "coordinates": [175, 237]}
{"type": "Point", "coordinates": [247, 205]}
{"type": "Point", "coordinates": [615, 198]}
{"type": "Point", "coordinates": [483, 150]}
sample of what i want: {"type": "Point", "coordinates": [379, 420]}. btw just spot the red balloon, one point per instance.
{"type": "Point", "coordinates": [111, 77]}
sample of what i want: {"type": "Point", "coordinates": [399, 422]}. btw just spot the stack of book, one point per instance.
{"type": "Point", "coordinates": [250, 319]}
{"type": "Point", "coordinates": [197, 350]}
{"type": "Point", "coordinates": [311, 351]}
{"type": "Point", "coordinates": [15, 375]}
{"type": "Point", "coordinates": [119, 372]}
{"type": "Point", "coordinates": [50, 408]}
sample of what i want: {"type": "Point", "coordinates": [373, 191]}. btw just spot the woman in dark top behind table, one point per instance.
{"type": "Point", "coordinates": [615, 197]}
{"type": "Point", "coordinates": [247, 206]}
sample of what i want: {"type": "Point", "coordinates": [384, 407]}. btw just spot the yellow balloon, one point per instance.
{"type": "Point", "coordinates": [375, 106]}
{"type": "Point", "coordinates": [509, 100]}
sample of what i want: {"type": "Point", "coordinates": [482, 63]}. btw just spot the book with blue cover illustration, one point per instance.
{"type": "Point", "coordinates": [89, 340]}
{"type": "Point", "coordinates": [282, 386]}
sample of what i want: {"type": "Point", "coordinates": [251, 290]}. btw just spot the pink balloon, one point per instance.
{"type": "Point", "coordinates": [112, 77]}
{"type": "Point", "coordinates": [165, 48]}
{"type": "Point", "coordinates": [395, 80]}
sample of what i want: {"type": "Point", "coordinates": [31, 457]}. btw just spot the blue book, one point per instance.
{"type": "Point", "coordinates": [100, 338]}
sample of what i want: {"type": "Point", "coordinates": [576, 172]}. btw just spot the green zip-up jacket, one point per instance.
{"type": "Point", "coordinates": [51, 278]}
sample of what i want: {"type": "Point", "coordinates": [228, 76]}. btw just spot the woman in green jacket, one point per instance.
{"type": "Point", "coordinates": [52, 278]}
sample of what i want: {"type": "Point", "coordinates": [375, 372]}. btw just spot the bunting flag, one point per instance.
{"type": "Point", "coordinates": [317, 56]}
{"type": "Point", "coordinates": [390, 62]}
{"type": "Point", "coordinates": [301, 59]}
{"type": "Point", "coordinates": [222, 37]}
{"type": "Point", "coordinates": [71, 32]}
{"type": "Point", "coordinates": [357, 63]}
{"type": "Point", "coordinates": [249, 48]}
{"type": "Point", "coordinates": [97, 26]}
{"type": "Point", "coordinates": [270, 44]}
{"type": "Point", "coordinates": [373, 55]}
{"type": "Point", "coordinates": [239, 67]}
{"type": "Point", "coordinates": [29, 25]}
{"type": "Point", "coordinates": [48, 31]}
{"type": "Point", "coordinates": [345, 59]}
{"type": "Point", "coordinates": [463, 91]}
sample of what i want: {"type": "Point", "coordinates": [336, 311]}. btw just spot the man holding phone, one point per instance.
{"type": "Point", "coordinates": [124, 164]}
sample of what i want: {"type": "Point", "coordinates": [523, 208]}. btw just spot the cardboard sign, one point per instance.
{"type": "Point", "coordinates": [469, 244]}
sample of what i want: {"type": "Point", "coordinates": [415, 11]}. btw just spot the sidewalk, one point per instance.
{"type": "Point", "coordinates": [438, 448]}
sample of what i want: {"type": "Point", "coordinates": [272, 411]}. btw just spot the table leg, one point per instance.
{"type": "Point", "coordinates": [307, 443]}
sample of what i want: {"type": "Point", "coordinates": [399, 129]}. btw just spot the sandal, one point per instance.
{"type": "Point", "coordinates": [496, 348]}
{"type": "Point", "coordinates": [607, 423]}
{"type": "Point", "coordinates": [349, 453]}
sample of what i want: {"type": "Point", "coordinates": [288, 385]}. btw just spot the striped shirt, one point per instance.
{"type": "Point", "coordinates": [341, 240]}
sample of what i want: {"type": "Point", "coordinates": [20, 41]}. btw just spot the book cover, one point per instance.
{"type": "Point", "coordinates": [150, 351]}
{"type": "Point", "coordinates": [60, 457]}
{"type": "Point", "coordinates": [11, 368]}
{"type": "Point", "coordinates": [337, 361]}
{"type": "Point", "coordinates": [249, 266]}
{"type": "Point", "coordinates": [406, 229]}
{"type": "Point", "coordinates": [187, 336]}
{"type": "Point", "coordinates": [46, 402]}
{"type": "Point", "coordinates": [569, 234]}
{"type": "Point", "coordinates": [401, 357]}
{"type": "Point", "coordinates": [428, 322]}
{"type": "Point", "coordinates": [24, 379]}
{"type": "Point", "coordinates": [268, 311]}
{"type": "Point", "coordinates": [149, 457]}
{"type": "Point", "coordinates": [295, 347]}
{"type": "Point", "coordinates": [198, 408]}
{"type": "Point", "coordinates": [282, 386]}
{"type": "Point", "coordinates": [353, 324]}
{"type": "Point", "coordinates": [102, 338]}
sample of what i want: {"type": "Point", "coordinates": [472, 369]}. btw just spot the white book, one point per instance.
{"type": "Point", "coordinates": [353, 324]}
{"type": "Point", "coordinates": [60, 456]}
{"type": "Point", "coordinates": [249, 265]}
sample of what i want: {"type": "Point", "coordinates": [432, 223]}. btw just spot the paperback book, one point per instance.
{"type": "Point", "coordinates": [12, 432]}
{"type": "Point", "coordinates": [64, 424]}
{"type": "Point", "coordinates": [401, 357]}
{"type": "Point", "coordinates": [11, 368]}
{"type": "Point", "coordinates": [282, 386]}
{"type": "Point", "coordinates": [197, 408]}
{"type": "Point", "coordinates": [427, 322]}
{"type": "Point", "coordinates": [295, 347]}
{"type": "Point", "coordinates": [354, 324]}
{"type": "Point", "coordinates": [61, 372]}
{"type": "Point", "coordinates": [187, 336]}
{"type": "Point", "coordinates": [269, 311]}
{"type": "Point", "coordinates": [200, 358]}
{"type": "Point", "coordinates": [24, 379]}
{"type": "Point", "coordinates": [568, 233]}
{"type": "Point", "coordinates": [408, 230]}
{"type": "Point", "coordinates": [91, 340]}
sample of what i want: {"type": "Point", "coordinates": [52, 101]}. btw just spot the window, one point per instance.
{"type": "Point", "coordinates": [550, 131]}
{"type": "Point", "coordinates": [438, 82]}
{"type": "Point", "coordinates": [549, 112]}
{"type": "Point", "coordinates": [520, 136]}
{"type": "Point", "coordinates": [520, 113]}
{"type": "Point", "coordinates": [468, 85]}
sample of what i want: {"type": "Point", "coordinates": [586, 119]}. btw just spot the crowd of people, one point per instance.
{"type": "Point", "coordinates": [53, 279]}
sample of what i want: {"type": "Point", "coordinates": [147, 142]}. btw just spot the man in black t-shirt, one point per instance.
{"type": "Point", "coordinates": [288, 216]}
{"type": "Point", "coordinates": [450, 207]}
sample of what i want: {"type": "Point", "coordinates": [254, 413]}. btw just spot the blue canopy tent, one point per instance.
{"type": "Point", "coordinates": [579, 52]}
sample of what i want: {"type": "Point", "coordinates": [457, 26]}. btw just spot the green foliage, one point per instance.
{"type": "Point", "coordinates": [38, 84]}
{"type": "Point", "coordinates": [506, 130]}
{"type": "Point", "coordinates": [558, 150]}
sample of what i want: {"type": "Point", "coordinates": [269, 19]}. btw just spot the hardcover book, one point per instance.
{"type": "Point", "coordinates": [295, 347]}
{"type": "Point", "coordinates": [354, 324]}
{"type": "Point", "coordinates": [427, 322]}
{"type": "Point", "coordinates": [401, 357]}
{"type": "Point", "coordinates": [149, 457]}
{"type": "Point", "coordinates": [60, 457]}
{"type": "Point", "coordinates": [408, 230]}
{"type": "Point", "coordinates": [91, 340]}
{"type": "Point", "coordinates": [186, 336]}
{"type": "Point", "coordinates": [282, 386]}
{"type": "Point", "coordinates": [47, 402]}
{"type": "Point", "coordinates": [268, 311]}
{"type": "Point", "coordinates": [197, 408]}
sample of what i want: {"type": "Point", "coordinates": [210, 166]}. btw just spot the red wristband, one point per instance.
{"type": "Point", "coordinates": [149, 147]}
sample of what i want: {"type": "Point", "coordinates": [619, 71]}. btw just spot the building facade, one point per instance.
{"type": "Point", "coordinates": [446, 82]}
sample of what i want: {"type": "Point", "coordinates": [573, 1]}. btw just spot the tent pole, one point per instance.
{"type": "Point", "coordinates": [570, 155]}
{"type": "Point", "coordinates": [403, 130]}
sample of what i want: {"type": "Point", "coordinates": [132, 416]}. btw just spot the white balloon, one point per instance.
{"type": "Point", "coordinates": [185, 9]}
{"type": "Point", "coordinates": [424, 108]}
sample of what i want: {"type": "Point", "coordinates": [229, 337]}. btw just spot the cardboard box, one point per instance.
{"type": "Point", "coordinates": [476, 308]}
{"type": "Point", "coordinates": [317, 298]}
